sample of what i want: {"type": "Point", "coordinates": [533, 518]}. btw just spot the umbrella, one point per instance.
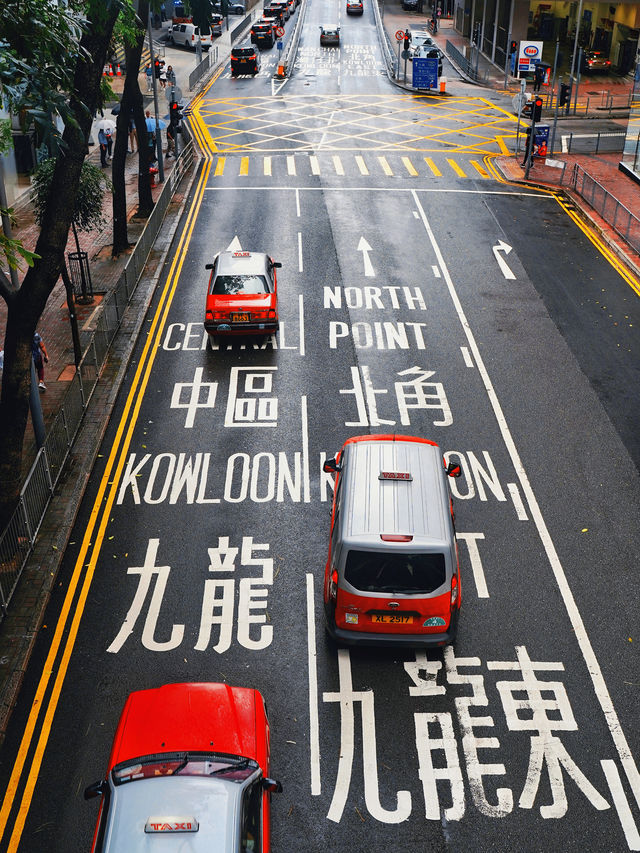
{"type": "Point", "coordinates": [115, 110]}
{"type": "Point", "coordinates": [105, 123]}
{"type": "Point", "coordinates": [151, 124]}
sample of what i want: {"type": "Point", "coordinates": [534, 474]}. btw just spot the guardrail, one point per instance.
{"type": "Point", "coordinates": [385, 42]}
{"type": "Point", "coordinates": [593, 143]}
{"type": "Point", "coordinates": [18, 538]}
{"type": "Point", "coordinates": [289, 57]}
{"type": "Point", "coordinates": [203, 67]}
{"type": "Point", "coordinates": [603, 103]}
{"type": "Point", "coordinates": [620, 218]}
{"type": "Point", "coordinates": [464, 64]}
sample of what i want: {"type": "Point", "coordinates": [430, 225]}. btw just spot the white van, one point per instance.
{"type": "Point", "coordinates": [188, 35]}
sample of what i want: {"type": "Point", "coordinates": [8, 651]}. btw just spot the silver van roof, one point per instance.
{"type": "Point", "coordinates": [382, 503]}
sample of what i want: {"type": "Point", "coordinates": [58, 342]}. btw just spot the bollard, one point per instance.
{"type": "Point", "coordinates": [443, 85]}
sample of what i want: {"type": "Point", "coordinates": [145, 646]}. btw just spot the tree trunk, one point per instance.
{"type": "Point", "coordinates": [145, 198]}
{"type": "Point", "coordinates": [130, 104]}
{"type": "Point", "coordinates": [26, 304]}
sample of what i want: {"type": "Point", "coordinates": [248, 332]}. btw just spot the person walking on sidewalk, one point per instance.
{"type": "Point", "coordinates": [40, 358]}
{"type": "Point", "coordinates": [171, 142]}
{"type": "Point", "coordinates": [109, 134]}
{"type": "Point", "coordinates": [538, 77]}
{"type": "Point", "coordinates": [102, 140]}
{"type": "Point", "coordinates": [148, 73]}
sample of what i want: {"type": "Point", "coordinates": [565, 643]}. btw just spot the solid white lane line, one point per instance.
{"type": "Point", "coordinates": [621, 803]}
{"type": "Point", "coordinates": [517, 502]}
{"type": "Point", "coordinates": [300, 268]}
{"type": "Point", "coordinates": [312, 667]}
{"type": "Point", "coordinates": [593, 667]}
{"type": "Point", "coordinates": [305, 450]}
{"type": "Point", "coordinates": [297, 202]}
{"type": "Point", "coordinates": [301, 322]}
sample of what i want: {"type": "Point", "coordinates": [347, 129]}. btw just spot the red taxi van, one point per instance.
{"type": "Point", "coordinates": [392, 575]}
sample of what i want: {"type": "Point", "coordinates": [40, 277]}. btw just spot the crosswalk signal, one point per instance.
{"type": "Point", "coordinates": [156, 69]}
{"type": "Point", "coordinates": [514, 46]}
{"type": "Point", "coordinates": [537, 109]}
{"type": "Point", "coordinates": [407, 39]}
{"type": "Point", "coordinates": [565, 92]}
{"type": "Point", "coordinates": [175, 116]}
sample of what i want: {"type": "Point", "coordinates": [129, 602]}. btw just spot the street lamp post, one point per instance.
{"type": "Point", "coordinates": [155, 104]}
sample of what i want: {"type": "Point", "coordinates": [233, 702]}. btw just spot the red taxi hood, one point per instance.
{"type": "Point", "coordinates": [195, 717]}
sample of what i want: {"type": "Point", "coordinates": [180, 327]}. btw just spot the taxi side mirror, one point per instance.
{"type": "Point", "coordinates": [97, 789]}
{"type": "Point", "coordinates": [271, 786]}
{"type": "Point", "coordinates": [330, 466]}
{"type": "Point", "coordinates": [276, 265]}
{"type": "Point", "coordinates": [453, 469]}
{"type": "Point", "coordinates": [208, 266]}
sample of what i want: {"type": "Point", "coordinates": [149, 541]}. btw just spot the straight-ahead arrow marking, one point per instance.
{"type": "Point", "coordinates": [365, 248]}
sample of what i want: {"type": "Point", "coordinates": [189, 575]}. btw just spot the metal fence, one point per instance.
{"type": "Point", "coordinates": [18, 538]}
{"type": "Point", "coordinates": [592, 143]}
{"type": "Point", "coordinates": [620, 218]}
{"type": "Point", "coordinates": [463, 62]}
{"type": "Point", "coordinates": [605, 104]}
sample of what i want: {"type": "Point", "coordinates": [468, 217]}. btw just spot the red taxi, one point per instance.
{"type": "Point", "coordinates": [242, 297]}
{"type": "Point", "coordinates": [392, 575]}
{"type": "Point", "coordinates": [189, 769]}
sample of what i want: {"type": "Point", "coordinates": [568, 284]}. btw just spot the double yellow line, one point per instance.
{"type": "Point", "coordinates": [46, 698]}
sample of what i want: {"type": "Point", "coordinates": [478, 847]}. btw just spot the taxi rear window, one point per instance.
{"type": "Point", "coordinates": [380, 571]}
{"type": "Point", "coordinates": [233, 284]}
{"type": "Point", "coordinates": [242, 52]}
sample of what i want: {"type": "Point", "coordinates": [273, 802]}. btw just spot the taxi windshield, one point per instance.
{"type": "Point", "coordinates": [379, 571]}
{"type": "Point", "coordinates": [232, 767]}
{"type": "Point", "coordinates": [233, 284]}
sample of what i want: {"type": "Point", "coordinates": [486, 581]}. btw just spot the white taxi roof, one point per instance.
{"type": "Point", "coordinates": [213, 803]}
{"type": "Point", "coordinates": [395, 487]}
{"type": "Point", "coordinates": [243, 263]}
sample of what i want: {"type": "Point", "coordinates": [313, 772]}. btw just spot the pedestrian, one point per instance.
{"type": "Point", "coordinates": [40, 358]}
{"type": "Point", "coordinates": [151, 139]}
{"type": "Point", "coordinates": [148, 73]}
{"type": "Point", "coordinates": [133, 135]}
{"type": "Point", "coordinates": [538, 77]}
{"type": "Point", "coordinates": [102, 140]}
{"type": "Point", "coordinates": [171, 142]}
{"type": "Point", "coordinates": [171, 75]}
{"type": "Point", "coordinates": [109, 134]}
{"type": "Point", "coordinates": [163, 74]}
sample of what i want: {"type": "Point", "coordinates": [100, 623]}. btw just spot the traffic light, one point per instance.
{"type": "Point", "coordinates": [537, 109]}
{"type": "Point", "coordinates": [514, 46]}
{"type": "Point", "coordinates": [175, 115]}
{"type": "Point", "coordinates": [565, 94]}
{"type": "Point", "coordinates": [156, 69]}
{"type": "Point", "coordinates": [407, 39]}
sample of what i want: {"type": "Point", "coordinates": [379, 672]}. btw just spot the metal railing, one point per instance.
{"type": "Point", "coordinates": [620, 218]}
{"type": "Point", "coordinates": [463, 63]}
{"type": "Point", "coordinates": [604, 103]}
{"type": "Point", "coordinates": [19, 536]}
{"type": "Point", "coordinates": [202, 69]}
{"type": "Point", "coordinates": [592, 143]}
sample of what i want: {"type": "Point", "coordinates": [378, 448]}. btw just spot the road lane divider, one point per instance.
{"type": "Point", "coordinates": [46, 698]}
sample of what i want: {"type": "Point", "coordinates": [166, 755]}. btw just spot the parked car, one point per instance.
{"type": "Point", "coordinates": [420, 37]}
{"type": "Point", "coordinates": [355, 7]}
{"type": "Point", "coordinates": [188, 35]}
{"type": "Point", "coordinates": [237, 8]}
{"type": "Point", "coordinates": [330, 36]}
{"type": "Point", "coordinates": [596, 61]}
{"type": "Point", "coordinates": [216, 24]}
{"type": "Point", "coordinates": [242, 295]}
{"type": "Point", "coordinates": [189, 769]}
{"type": "Point", "coordinates": [262, 33]}
{"type": "Point", "coordinates": [410, 5]}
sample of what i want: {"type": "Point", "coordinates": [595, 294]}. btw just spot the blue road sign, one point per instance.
{"type": "Point", "coordinates": [279, 45]}
{"type": "Point", "coordinates": [425, 72]}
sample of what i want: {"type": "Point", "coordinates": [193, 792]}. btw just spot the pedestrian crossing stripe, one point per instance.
{"type": "Point", "coordinates": [301, 164]}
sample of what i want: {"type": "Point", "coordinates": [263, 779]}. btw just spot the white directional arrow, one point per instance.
{"type": "Point", "coordinates": [365, 248]}
{"type": "Point", "coordinates": [504, 266]}
{"type": "Point", "coordinates": [234, 245]}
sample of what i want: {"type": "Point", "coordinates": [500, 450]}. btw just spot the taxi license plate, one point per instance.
{"type": "Point", "coordinates": [392, 618]}
{"type": "Point", "coordinates": [241, 318]}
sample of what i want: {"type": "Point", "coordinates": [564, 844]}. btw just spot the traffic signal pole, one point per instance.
{"type": "Point", "coordinates": [155, 104]}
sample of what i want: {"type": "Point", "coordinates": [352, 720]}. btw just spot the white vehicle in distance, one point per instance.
{"type": "Point", "coordinates": [188, 35]}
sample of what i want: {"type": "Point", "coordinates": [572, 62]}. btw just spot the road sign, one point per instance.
{"type": "Point", "coordinates": [425, 72]}
{"type": "Point", "coordinates": [530, 55]}
{"type": "Point", "coordinates": [279, 45]}
{"type": "Point", "coordinates": [405, 54]}
{"type": "Point", "coordinates": [279, 31]}
{"type": "Point", "coordinates": [399, 35]}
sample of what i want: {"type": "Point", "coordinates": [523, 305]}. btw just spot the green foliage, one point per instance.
{"type": "Point", "coordinates": [12, 249]}
{"type": "Point", "coordinates": [6, 139]}
{"type": "Point", "coordinates": [93, 184]}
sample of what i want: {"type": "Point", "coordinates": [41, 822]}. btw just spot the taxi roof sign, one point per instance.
{"type": "Point", "coordinates": [394, 475]}
{"type": "Point", "coordinates": [171, 824]}
{"type": "Point", "coordinates": [242, 254]}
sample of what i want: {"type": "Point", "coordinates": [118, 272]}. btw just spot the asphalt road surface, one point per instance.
{"type": "Point", "coordinates": [416, 298]}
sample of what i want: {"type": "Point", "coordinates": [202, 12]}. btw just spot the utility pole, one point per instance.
{"type": "Point", "coordinates": [155, 103]}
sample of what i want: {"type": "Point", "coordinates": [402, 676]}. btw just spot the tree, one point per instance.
{"type": "Point", "coordinates": [48, 75]}
{"type": "Point", "coordinates": [131, 104]}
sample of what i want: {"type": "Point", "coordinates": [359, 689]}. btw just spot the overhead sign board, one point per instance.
{"type": "Point", "coordinates": [530, 55]}
{"type": "Point", "coordinates": [425, 72]}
